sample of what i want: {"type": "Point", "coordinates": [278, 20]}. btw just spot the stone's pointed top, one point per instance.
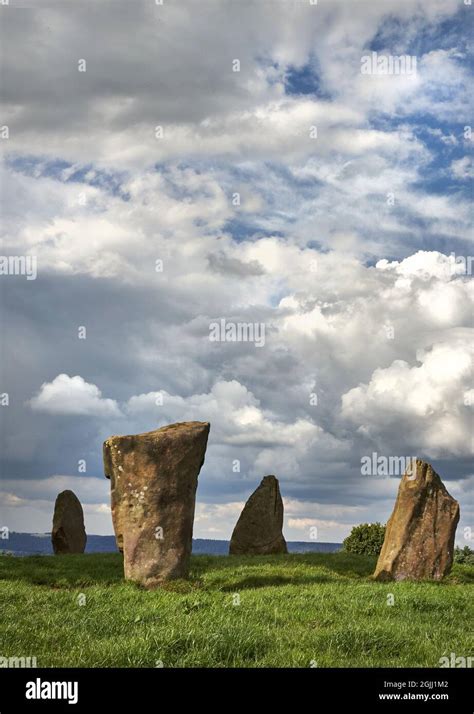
{"type": "Point", "coordinates": [420, 474]}
{"type": "Point", "coordinates": [259, 528]}
{"type": "Point", "coordinates": [270, 483]}
{"type": "Point", "coordinates": [419, 538]}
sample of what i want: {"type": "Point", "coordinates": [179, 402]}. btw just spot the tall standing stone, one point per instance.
{"type": "Point", "coordinates": [68, 534]}
{"type": "Point", "coordinates": [259, 528]}
{"type": "Point", "coordinates": [419, 538]}
{"type": "Point", "coordinates": [153, 478]}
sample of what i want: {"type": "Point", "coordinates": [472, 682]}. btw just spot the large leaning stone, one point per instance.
{"type": "Point", "coordinates": [259, 528]}
{"type": "Point", "coordinates": [419, 538]}
{"type": "Point", "coordinates": [153, 478]}
{"type": "Point", "coordinates": [68, 534]}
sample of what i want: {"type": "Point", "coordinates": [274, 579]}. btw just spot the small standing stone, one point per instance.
{"type": "Point", "coordinates": [68, 534]}
{"type": "Point", "coordinates": [259, 528]}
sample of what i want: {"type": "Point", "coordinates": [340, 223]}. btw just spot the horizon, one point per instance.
{"type": "Point", "coordinates": [98, 535]}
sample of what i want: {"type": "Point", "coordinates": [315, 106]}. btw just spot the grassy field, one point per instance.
{"type": "Point", "coordinates": [280, 611]}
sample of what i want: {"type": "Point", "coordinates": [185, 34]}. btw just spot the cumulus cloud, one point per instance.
{"type": "Point", "coordinates": [427, 401]}
{"type": "Point", "coordinates": [236, 413]}
{"type": "Point", "coordinates": [73, 396]}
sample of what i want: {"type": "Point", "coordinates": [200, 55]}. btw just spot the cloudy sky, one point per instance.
{"type": "Point", "coordinates": [296, 192]}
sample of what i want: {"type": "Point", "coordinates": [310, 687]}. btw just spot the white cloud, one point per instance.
{"type": "Point", "coordinates": [233, 409]}
{"type": "Point", "coordinates": [73, 396]}
{"type": "Point", "coordinates": [463, 168]}
{"type": "Point", "coordinates": [426, 402]}
{"type": "Point", "coordinates": [108, 114]}
{"type": "Point", "coordinates": [422, 264]}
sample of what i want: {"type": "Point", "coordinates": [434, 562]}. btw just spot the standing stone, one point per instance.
{"type": "Point", "coordinates": [153, 478]}
{"type": "Point", "coordinates": [259, 528]}
{"type": "Point", "coordinates": [419, 538]}
{"type": "Point", "coordinates": [68, 534]}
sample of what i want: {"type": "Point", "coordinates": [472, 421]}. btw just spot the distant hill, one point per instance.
{"type": "Point", "coordinates": [40, 544]}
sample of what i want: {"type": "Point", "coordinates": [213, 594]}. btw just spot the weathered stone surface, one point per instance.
{"type": "Point", "coordinates": [68, 534]}
{"type": "Point", "coordinates": [419, 538]}
{"type": "Point", "coordinates": [259, 528]}
{"type": "Point", "coordinates": [153, 488]}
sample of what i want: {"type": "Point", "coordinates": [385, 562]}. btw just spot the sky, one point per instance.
{"type": "Point", "coordinates": [169, 166]}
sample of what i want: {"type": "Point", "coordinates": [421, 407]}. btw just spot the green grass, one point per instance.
{"type": "Point", "coordinates": [294, 610]}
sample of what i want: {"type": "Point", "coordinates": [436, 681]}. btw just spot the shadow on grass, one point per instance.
{"type": "Point", "coordinates": [340, 564]}
{"type": "Point", "coordinates": [268, 581]}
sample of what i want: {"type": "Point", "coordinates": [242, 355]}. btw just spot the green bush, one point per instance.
{"type": "Point", "coordinates": [465, 555]}
{"type": "Point", "coordinates": [365, 539]}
